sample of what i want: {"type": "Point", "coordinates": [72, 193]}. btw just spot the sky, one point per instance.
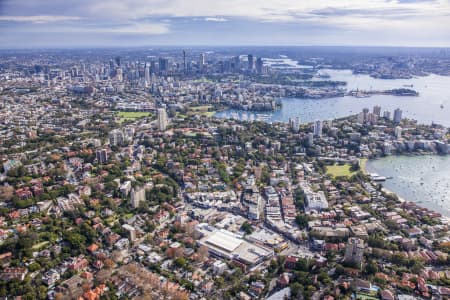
{"type": "Point", "coordinates": [134, 23]}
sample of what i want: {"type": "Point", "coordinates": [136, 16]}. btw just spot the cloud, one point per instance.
{"type": "Point", "coordinates": [215, 19]}
{"type": "Point", "coordinates": [104, 28]}
{"type": "Point", "coordinates": [149, 28]}
{"type": "Point", "coordinates": [178, 20]}
{"type": "Point", "coordinates": [39, 19]}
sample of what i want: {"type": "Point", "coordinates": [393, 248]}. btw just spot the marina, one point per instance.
{"type": "Point", "coordinates": [421, 179]}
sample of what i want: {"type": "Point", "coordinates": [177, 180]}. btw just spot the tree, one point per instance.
{"type": "Point", "coordinates": [25, 242]}
{"type": "Point", "coordinates": [339, 270]}
{"type": "Point", "coordinates": [180, 262]}
{"type": "Point", "coordinates": [109, 263]}
{"type": "Point", "coordinates": [296, 290]}
{"type": "Point", "coordinates": [372, 268]}
{"type": "Point", "coordinates": [222, 170]}
{"type": "Point", "coordinates": [203, 253]}
{"type": "Point", "coordinates": [355, 167]}
{"type": "Point", "coordinates": [247, 227]}
{"type": "Point", "coordinates": [300, 198]}
{"type": "Point", "coordinates": [34, 267]}
{"type": "Point", "coordinates": [6, 193]}
{"type": "Point", "coordinates": [76, 240]}
{"type": "Point", "coordinates": [417, 266]}
{"type": "Point", "coordinates": [302, 220]}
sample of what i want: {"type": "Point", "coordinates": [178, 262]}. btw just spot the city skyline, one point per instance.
{"type": "Point", "coordinates": [134, 23]}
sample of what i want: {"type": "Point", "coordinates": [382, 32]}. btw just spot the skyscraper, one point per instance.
{"type": "Point", "coordinates": [112, 67]}
{"type": "Point", "coordinates": [377, 110]}
{"type": "Point", "coordinates": [118, 61]}
{"type": "Point", "coordinates": [259, 65]}
{"type": "Point", "coordinates": [119, 74]}
{"type": "Point", "coordinates": [184, 62]}
{"type": "Point", "coordinates": [318, 128]}
{"type": "Point", "coordinates": [163, 120]}
{"type": "Point", "coordinates": [296, 124]}
{"type": "Point", "coordinates": [310, 139]}
{"type": "Point", "coordinates": [201, 62]}
{"type": "Point", "coordinates": [153, 69]}
{"type": "Point", "coordinates": [163, 65]}
{"type": "Point", "coordinates": [397, 115]}
{"type": "Point", "coordinates": [250, 62]}
{"type": "Point", "coordinates": [365, 114]}
{"type": "Point", "coordinates": [147, 74]}
{"type": "Point", "coordinates": [236, 64]}
{"type": "Point", "coordinates": [398, 132]}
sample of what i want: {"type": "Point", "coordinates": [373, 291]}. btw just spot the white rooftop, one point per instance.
{"type": "Point", "coordinates": [224, 240]}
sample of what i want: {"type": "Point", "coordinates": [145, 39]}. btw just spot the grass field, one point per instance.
{"type": "Point", "coordinates": [362, 164]}
{"type": "Point", "coordinates": [207, 113]}
{"type": "Point", "coordinates": [111, 220]}
{"type": "Point", "coordinates": [201, 110]}
{"type": "Point", "coordinates": [132, 115]}
{"type": "Point", "coordinates": [340, 170]}
{"type": "Point", "coordinates": [39, 246]}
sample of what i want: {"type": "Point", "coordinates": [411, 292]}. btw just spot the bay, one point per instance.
{"type": "Point", "coordinates": [434, 92]}
{"type": "Point", "coordinates": [421, 179]}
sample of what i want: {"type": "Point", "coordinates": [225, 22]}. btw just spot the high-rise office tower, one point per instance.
{"type": "Point", "coordinates": [201, 62]}
{"type": "Point", "coordinates": [119, 74]}
{"type": "Point", "coordinates": [153, 69]}
{"type": "Point", "coordinates": [118, 61]}
{"type": "Point", "coordinates": [259, 65]}
{"type": "Point", "coordinates": [250, 62]}
{"type": "Point", "coordinates": [163, 120]}
{"type": "Point", "coordinates": [296, 124]}
{"type": "Point", "coordinates": [147, 74]}
{"type": "Point", "coordinates": [235, 64]}
{"type": "Point", "coordinates": [397, 115]}
{"type": "Point", "coordinates": [163, 65]}
{"type": "Point", "coordinates": [184, 62]}
{"type": "Point", "coordinates": [310, 139]}
{"type": "Point", "coordinates": [318, 128]}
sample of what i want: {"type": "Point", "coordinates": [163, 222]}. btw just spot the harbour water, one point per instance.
{"type": "Point", "coordinates": [432, 104]}
{"type": "Point", "coordinates": [421, 179]}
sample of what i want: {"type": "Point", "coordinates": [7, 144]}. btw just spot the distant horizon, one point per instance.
{"type": "Point", "coordinates": [199, 46]}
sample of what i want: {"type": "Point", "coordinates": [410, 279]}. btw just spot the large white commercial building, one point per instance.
{"type": "Point", "coordinates": [225, 244]}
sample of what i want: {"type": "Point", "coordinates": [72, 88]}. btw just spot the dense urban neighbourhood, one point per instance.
{"type": "Point", "coordinates": [117, 182]}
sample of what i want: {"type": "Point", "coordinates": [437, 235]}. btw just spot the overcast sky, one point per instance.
{"type": "Point", "coordinates": [122, 23]}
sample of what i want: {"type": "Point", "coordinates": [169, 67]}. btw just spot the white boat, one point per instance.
{"type": "Point", "coordinates": [376, 177]}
